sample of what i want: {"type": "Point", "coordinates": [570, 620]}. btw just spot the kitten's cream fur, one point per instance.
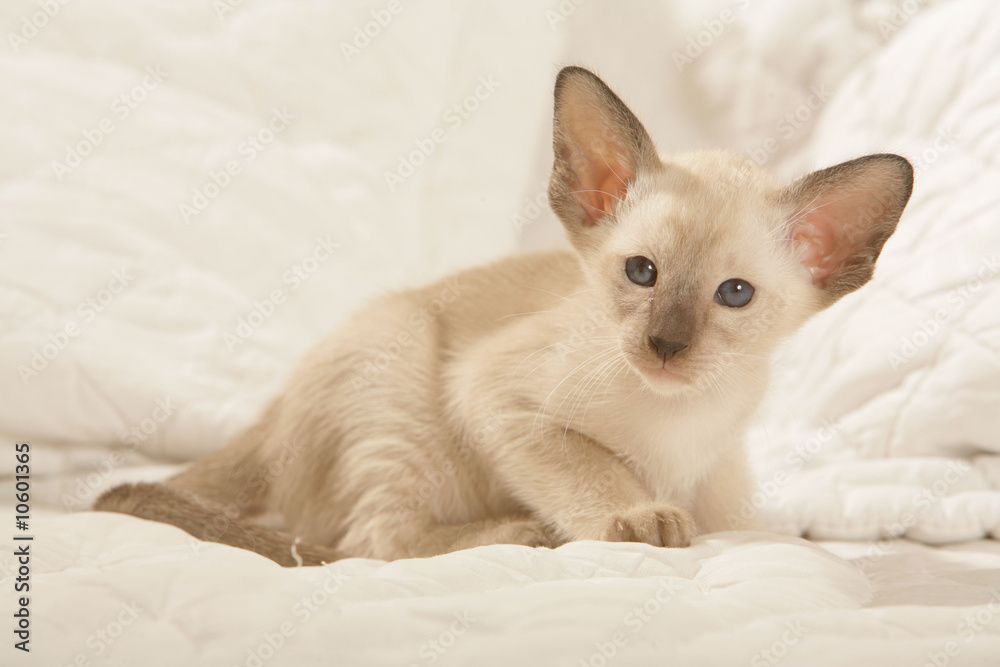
{"type": "Point", "coordinates": [524, 402]}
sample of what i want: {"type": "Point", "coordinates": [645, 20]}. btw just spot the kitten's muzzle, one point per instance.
{"type": "Point", "coordinates": [667, 349]}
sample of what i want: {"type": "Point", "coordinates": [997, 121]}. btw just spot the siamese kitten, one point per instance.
{"type": "Point", "coordinates": [598, 394]}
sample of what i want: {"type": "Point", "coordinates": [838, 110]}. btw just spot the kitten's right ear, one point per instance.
{"type": "Point", "coordinates": [600, 148]}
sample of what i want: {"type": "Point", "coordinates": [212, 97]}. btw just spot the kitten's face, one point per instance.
{"type": "Point", "coordinates": [697, 275]}
{"type": "Point", "coordinates": [703, 263]}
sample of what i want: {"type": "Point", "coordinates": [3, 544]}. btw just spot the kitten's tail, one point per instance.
{"type": "Point", "coordinates": [212, 499]}
{"type": "Point", "coordinates": [209, 522]}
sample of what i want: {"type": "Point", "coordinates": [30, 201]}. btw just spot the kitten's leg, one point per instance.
{"type": "Point", "coordinates": [519, 529]}
{"type": "Point", "coordinates": [722, 499]}
{"type": "Point", "coordinates": [420, 535]}
{"type": "Point", "coordinates": [406, 498]}
{"type": "Point", "coordinates": [587, 492]}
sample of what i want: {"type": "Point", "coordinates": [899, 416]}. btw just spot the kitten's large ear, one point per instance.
{"type": "Point", "coordinates": [843, 215]}
{"type": "Point", "coordinates": [600, 147]}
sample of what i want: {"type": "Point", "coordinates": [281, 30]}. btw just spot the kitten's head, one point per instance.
{"type": "Point", "coordinates": [702, 261]}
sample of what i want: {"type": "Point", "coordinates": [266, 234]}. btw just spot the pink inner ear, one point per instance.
{"type": "Point", "coordinates": [597, 161]}
{"type": "Point", "coordinates": [610, 187]}
{"type": "Point", "coordinates": [824, 250]}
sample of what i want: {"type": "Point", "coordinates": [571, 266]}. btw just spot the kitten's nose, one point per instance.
{"type": "Point", "coordinates": [667, 349]}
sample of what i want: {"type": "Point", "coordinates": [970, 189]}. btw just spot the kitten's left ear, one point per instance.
{"type": "Point", "coordinates": [843, 215]}
{"type": "Point", "coordinates": [600, 148]}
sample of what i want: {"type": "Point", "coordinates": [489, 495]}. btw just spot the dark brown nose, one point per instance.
{"type": "Point", "coordinates": [667, 349]}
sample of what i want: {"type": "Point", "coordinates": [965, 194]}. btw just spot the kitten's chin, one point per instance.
{"type": "Point", "coordinates": [665, 381]}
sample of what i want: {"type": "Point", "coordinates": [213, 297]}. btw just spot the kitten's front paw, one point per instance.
{"type": "Point", "coordinates": [657, 524]}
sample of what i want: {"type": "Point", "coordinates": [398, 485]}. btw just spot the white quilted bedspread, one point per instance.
{"type": "Point", "coordinates": [136, 334]}
{"type": "Point", "coordinates": [886, 410]}
{"type": "Point", "coordinates": [732, 598]}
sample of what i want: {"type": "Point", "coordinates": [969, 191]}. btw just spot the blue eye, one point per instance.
{"type": "Point", "coordinates": [734, 293]}
{"type": "Point", "coordinates": [641, 271]}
